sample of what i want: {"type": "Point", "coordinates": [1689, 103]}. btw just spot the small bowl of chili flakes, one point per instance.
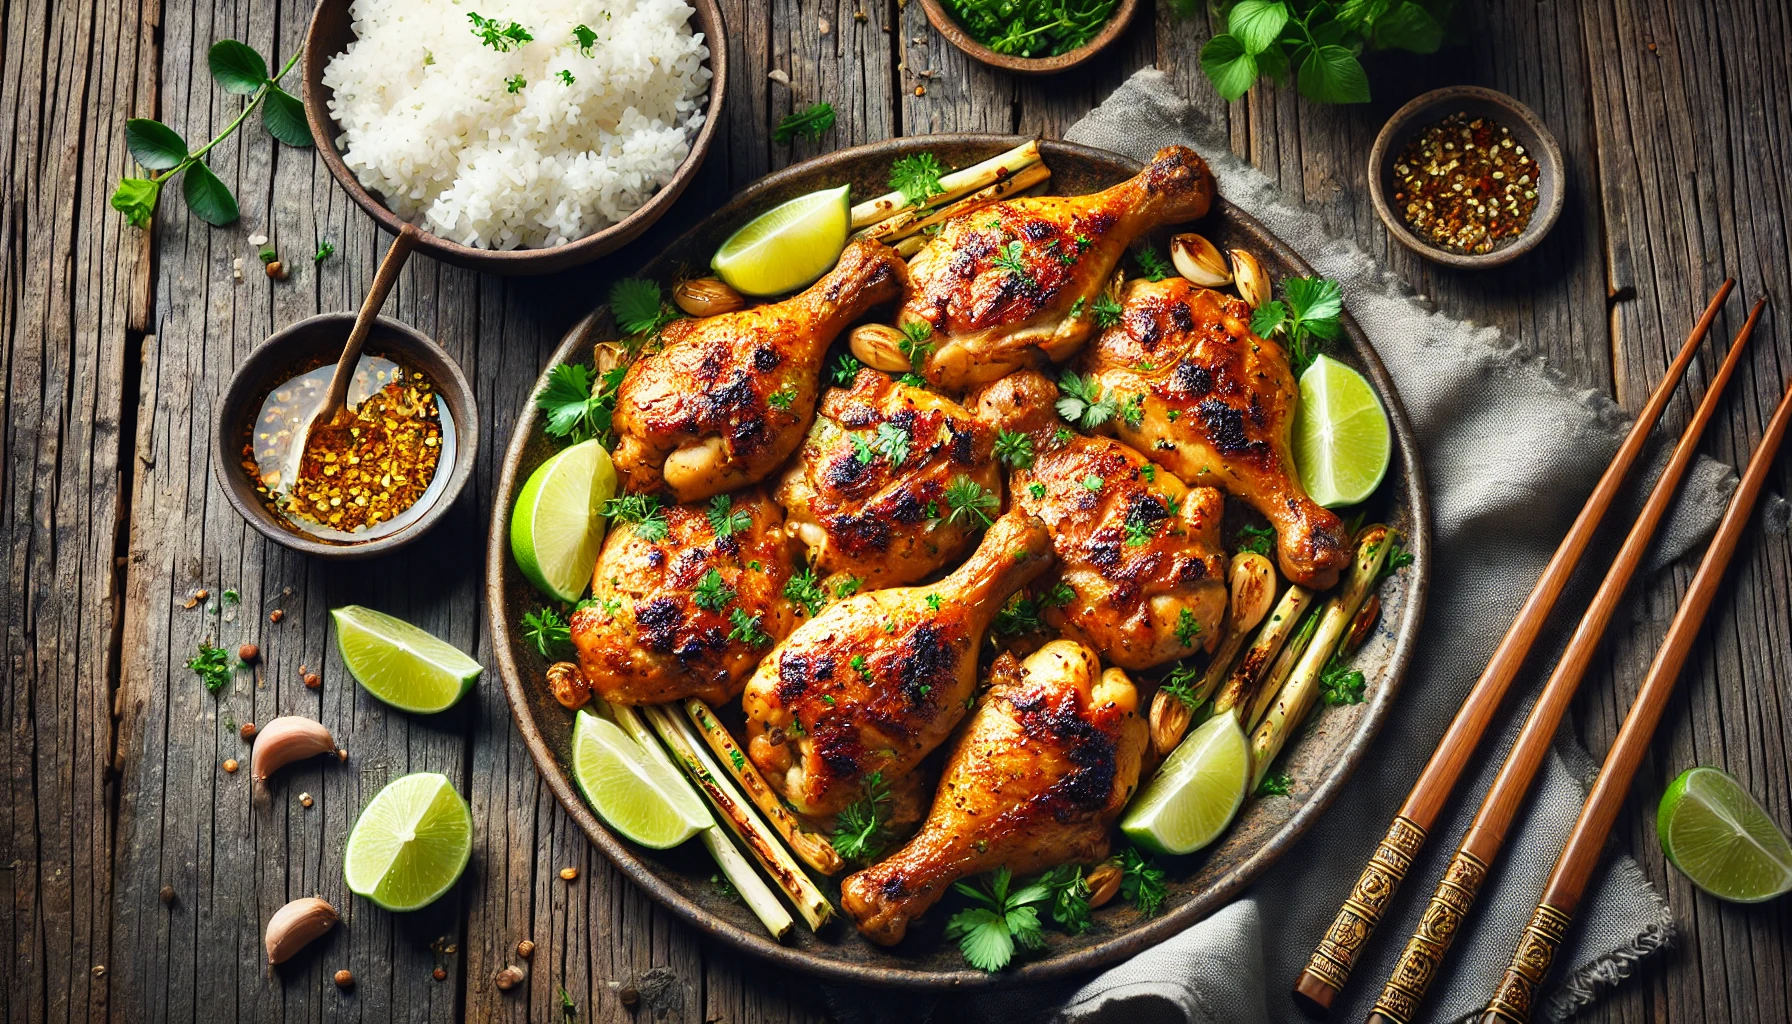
{"type": "Point", "coordinates": [1467, 177]}
{"type": "Point", "coordinates": [407, 449]}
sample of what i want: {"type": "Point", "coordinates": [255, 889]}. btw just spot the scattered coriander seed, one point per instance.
{"type": "Point", "coordinates": [439, 974]}
{"type": "Point", "coordinates": [230, 765]}
{"type": "Point", "coordinates": [569, 873]}
{"type": "Point", "coordinates": [525, 949]}
{"type": "Point", "coordinates": [345, 979]}
{"type": "Point", "coordinates": [341, 753]}
{"type": "Point", "coordinates": [247, 731]}
{"type": "Point", "coordinates": [312, 680]}
{"type": "Point", "coordinates": [248, 653]}
{"type": "Point", "coordinates": [628, 995]}
{"type": "Point", "coordinates": [305, 800]}
{"type": "Point", "coordinates": [276, 615]}
{"type": "Point", "coordinates": [277, 270]}
{"type": "Point", "coordinates": [510, 977]}
{"type": "Point", "coordinates": [201, 595]}
{"type": "Point", "coordinates": [167, 895]}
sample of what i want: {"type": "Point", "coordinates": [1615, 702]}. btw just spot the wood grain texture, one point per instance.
{"type": "Point", "coordinates": [1676, 123]}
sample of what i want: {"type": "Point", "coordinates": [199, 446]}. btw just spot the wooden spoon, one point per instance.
{"type": "Point", "coordinates": [1253, 589]}
{"type": "Point", "coordinates": [330, 412]}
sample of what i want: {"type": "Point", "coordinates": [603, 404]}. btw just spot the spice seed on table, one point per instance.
{"type": "Point", "coordinates": [247, 731]}
{"type": "Point", "coordinates": [569, 873]}
{"type": "Point", "coordinates": [230, 765]}
{"type": "Point", "coordinates": [344, 979]}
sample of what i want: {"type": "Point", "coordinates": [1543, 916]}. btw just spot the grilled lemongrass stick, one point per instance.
{"type": "Point", "coordinates": [958, 183]}
{"type": "Point", "coordinates": [907, 247]}
{"type": "Point", "coordinates": [909, 223]}
{"type": "Point", "coordinates": [760, 840]}
{"type": "Point", "coordinates": [1261, 693]}
{"type": "Point", "coordinates": [1253, 587]}
{"type": "Point", "coordinates": [739, 871]}
{"type": "Point", "coordinates": [1280, 625]}
{"type": "Point", "coordinates": [814, 850]}
{"type": "Point", "coordinates": [1302, 689]}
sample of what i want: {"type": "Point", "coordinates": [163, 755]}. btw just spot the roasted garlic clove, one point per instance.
{"type": "Point", "coordinates": [1103, 881]}
{"type": "Point", "coordinates": [295, 925]}
{"type": "Point", "coordinates": [706, 296]}
{"type": "Point", "coordinates": [287, 739]}
{"type": "Point", "coordinates": [568, 685]}
{"type": "Point", "coordinates": [1199, 261]}
{"type": "Point", "coordinates": [1248, 275]}
{"type": "Point", "coordinates": [879, 346]}
{"type": "Point", "coordinates": [1169, 719]}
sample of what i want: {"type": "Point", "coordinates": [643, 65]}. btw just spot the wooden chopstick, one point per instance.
{"type": "Point", "coordinates": [1455, 896]}
{"type": "Point", "coordinates": [1331, 963]}
{"type": "Point", "coordinates": [1512, 1002]}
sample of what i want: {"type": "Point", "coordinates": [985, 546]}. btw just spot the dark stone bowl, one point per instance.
{"type": "Point", "coordinates": [1319, 758]}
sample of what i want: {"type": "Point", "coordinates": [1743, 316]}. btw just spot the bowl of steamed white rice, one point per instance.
{"type": "Point", "coordinates": [520, 136]}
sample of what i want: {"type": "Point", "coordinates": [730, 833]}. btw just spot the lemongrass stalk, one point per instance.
{"type": "Point", "coordinates": [1301, 691]}
{"type": "Point", "coordinates": [739, 871]}
{"type": "Point", "coordinates": [907, 247]}
{"type": "Point", "coordinates": [812, 849]}
{"type": "Point", "coordinates": [1255, 704]}
{"type": "Point", "coordinates": [912, 222]}
{"type": "Point", "coordinates": [958, 183]}
{"type": "Point", "coordinates": [1277, 627]}
{"type": "Point", "coordinates": [739, 815]}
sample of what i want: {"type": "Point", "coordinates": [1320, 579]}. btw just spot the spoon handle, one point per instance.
{"type": "Point", "coordinates": [383, 281]}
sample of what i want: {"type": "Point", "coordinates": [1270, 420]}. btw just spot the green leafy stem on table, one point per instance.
{"type": "Point", "coordinates": [1319, 42]}
{"type": "Point", "coordinates": [240, 70]}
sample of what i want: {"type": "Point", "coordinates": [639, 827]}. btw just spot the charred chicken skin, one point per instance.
{"type": "Point", "coordinates": [1012, 285]}
{"type": "Point", "coordinates": [868, 491]}
{"type": "Point", "coordinates": [669, 618]}
{"type": "Point", "coordinates": [1218, 405]}
{"type": "Point", "coordinates": [877, 681]}
{"type": "Point", "coordinates": [1141, 566]}
{"type": "Point", "coordinates": [727, 398]}
{"type": "Point", "coordinates": [1037, 778]}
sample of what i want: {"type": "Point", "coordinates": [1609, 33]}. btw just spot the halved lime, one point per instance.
{"type": "Point", "coordinates": [787, 246]}
{"type": "Point", "coordinates": [1722, 838]}
{"type": "Point", "coordinates": [400, 664]}
{"type": "Point", "coordinates": [1342, 443]}
{"type": "Point", "coordinates": [555, 528]}
{"type": "Point", "coordinates": [1196, 792]}
{"type": "Point", "coordinates": [639, 796]}
{"type": "Point", "coordinates": [410, 844]}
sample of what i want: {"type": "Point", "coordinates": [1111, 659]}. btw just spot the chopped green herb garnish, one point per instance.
{"type": "Point", "coordinates": [1188, 628]}
{"type": "Point", "coordinates": [1341, 684]}
{"type": "Point", "coordinates": [1278, 784]}
{"type": "Point", "coordinates": [502, 36]}
{"type": "Point", "coordinates": [845, 587]}
{"type": "Point", "coordinates": [917, 177]}
{"type": "Point", "coordinates": [1107, 311]}
{"type": "Point", "coordinates": [712, 594]}
{"type": "Point", "coordinates": [212, 665]}
{"type": "Point", "coordinates": [639, 307]}
{"type": "Point", "coordinates": [1081, 401]}
{"type": "Point", "coordinates": [805, 590]}
{"type": "Point", "coordinates": [643, 510]}
{"type": "Point", "coordinates": [1257, 539]}
{"type": "Point", "coordinates": [846, 367]}
{"type": "Point", "coordinates": [547, 631]}
{"type": "Point", "coordinates": [859, 829]}
{"type": "Point", "coordinates": [746, 628]}
{"type": "Point", "coordinates": [1014, 448]}
{"type": "Point", "coordinates": [967, 499]}
{"type": "Point", "coordinates": [724, 519]}
{"type": "Point", "coordinates": [1142, 882]}
{"type": "Point", "coordinates": [1152, 264]}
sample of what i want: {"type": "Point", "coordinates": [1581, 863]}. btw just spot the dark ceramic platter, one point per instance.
{"type": "Point", "coordinates": [1319, 759]}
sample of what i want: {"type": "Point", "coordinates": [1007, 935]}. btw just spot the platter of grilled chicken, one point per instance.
{"type": "Point", "coordinates": [998, 752]}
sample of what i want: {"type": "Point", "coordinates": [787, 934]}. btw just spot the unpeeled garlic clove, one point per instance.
{"type": "Point", "coordinates": [1248, 275]}
{"type": "Point", "coordinates": [1103, 881]}
{"type": "Point", "coordinates": [568, 685]}
{"type": "Point", "coordinates": [706, 296]}
{"type": "Point", "coordinates": [287, 739]}
{"type": "Point", "coordinates": [879, 346]}
{"type": "Point", "coordinates": [1168, 719]}
{"type": "Point", "coordinates": [295, 925]}
{"type": "Point", "coordinates": [1199, 261]}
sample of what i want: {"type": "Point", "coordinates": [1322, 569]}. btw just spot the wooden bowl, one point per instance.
{"type": "Point", "coordinates": [1412, 119]}
{"type": "Point", "coordinates": [1319, 758]}
{"type": "Point", "coordinates": [330, 33]}
{"type": "Point", "coordinates": [948, 26]}
{"type": "Point", "coordinates": [319, 339]}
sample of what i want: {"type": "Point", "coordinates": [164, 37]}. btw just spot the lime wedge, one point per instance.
{"type": "Point", "coordinates": [1341, 438]}
{"type": "Point", "coordinates": [410, 844]}
{"type": "Point", "coordinates": [1194, 795]}
{"type": "Point", "coordinates": [639, 796]}
{"type": "Point", "coordinates": [401, 664]}
{"type": "Point", "coordinates": [555, 528]}
{"type": "Point", "coordinates": [1722, 838]}
{"type": "Point", "coordinates": [787, 246]}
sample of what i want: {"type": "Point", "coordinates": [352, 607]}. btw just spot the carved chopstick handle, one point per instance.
{"type": "Point", "coordinates": [1331, 963]}
{"type": "Point", "coordinates": [1455, 896]}
{"type": "Point", "coordinates": [1517, 995]}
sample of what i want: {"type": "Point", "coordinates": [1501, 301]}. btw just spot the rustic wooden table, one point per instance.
{"type": "Point", "coordinates": [141, 873]}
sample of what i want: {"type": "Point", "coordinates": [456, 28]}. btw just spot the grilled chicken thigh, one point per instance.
{"type": "Point", "coordinates": [1044, 766]}
{"type": "Point", "coordinates": [727, 398]}
{"type": "Point", "coordinates": [868, 492]}
{"type": "Point", "coordinates": [877, 681]}
{"type": "Point", "coordinates": [1141, 567]}
{"type": "Point", "coordinates": [1011, 285]}
{"type": "Point", "coordinates": [1218, 406]}
{"type": "Point", "coordinates": [669, 618]}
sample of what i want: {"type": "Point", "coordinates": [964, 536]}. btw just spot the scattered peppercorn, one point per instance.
{"type": "Point", "coordinates": [276, 615]}
{"type": "Point", "coordinates": [167, 895]}
{"type": "Point", "coordinates": [345, 979]}
{"type": "Point", "coordinates": [248, 653]}
{"type": "Point", "coordinates": [510, 977]}
{"type": "Point", "coordinates": [569, 873]}
{"type": "Point", "coordinates": [628, 995]}
{"type": "Point", "coordinates": [312, 680]}
{"type": "Point", "coordinates": [247, 731]}
{"type": "Point", "coordinates": [1465, 184]}
{"type": "Point", "coordinates": [525, 949]}
{"type": "Point", "coordinates": [439, 974]}
{"type": "Point", "coordinates": [230, 765]}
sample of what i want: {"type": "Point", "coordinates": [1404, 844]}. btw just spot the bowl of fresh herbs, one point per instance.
{"type": "Point", "coordinates": [1030, 37]}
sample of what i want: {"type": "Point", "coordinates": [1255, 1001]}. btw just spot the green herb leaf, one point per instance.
{"type": "Point", "coordinates": [567, 399]}
{"type": "Point", "coordinates": [1184, 684]}
{"type": "Point", "coordinates": [967, 500]}
{"type": "Point", "coordinates": [1315, 305]}
{"type": "Point", "coordinates": [1142, 882]}
{"type": "Point", "coordinates": [859, 829]}
{"type": "Point", "coordinates": [1011, 258]}
{"type": "Point", "coordinates": [1278, 784]}
{"type": "Point", "coordinates": [914, 343]}
{"type": "Point", "coordinates": [501, 36]}
{"type": "Point", "coordinates": [1188, 628]}
{"type": "Point", "coordinates": [1069, 897]}
{"type": "Point", "coordinates": [811, 123]}
{"type": "Point", "coordinates": [1269, 318]}
{"type": "Point", "coordinates": [565, 77]}
{"type": "Point", "coordinates": [1332, 74]}
{"type": "Point", "coordinates": [212, 665]}
{"type": "Point", "coordinates": [1341, 684]}
{"type": "Point", "coordinates": [1257, 23]}
{"type": "Point", "coordinates": [208, 198]}
{"type": "Point", "coordinates": [514, 83]}
{"type": "Point", "coordinates": [237, 67]}
{"type": "Point", "coordinates": [917, 177]}
{"type": "Point", "coordinates": [1258, 539]}
{"type": "Point", "coordinates": [1408, 26]}
{"type": "Point", "coordinates": [1018, 617]}
{"type": "Point", "coordinates": [136, 199]}
{"type": "Point", "coordinates": [547, 631]}
{"type": "Point", "coordinates": [584, 39]}
{"type": "Point", "coordinates": [324, 251]}
{"type": "Point", "coordinates": [711, 593]}
{"type": "Point", "coordinates": [988, 934]}
{"type": "Point", "coordinates": [153, 144]}
{"type": "Point", "coordinates": [805, 590]}
{"type": "Point", "coordinates": [638, 306]}
{"type": "Point", "coordinates": [643, 510]}
{"type": "Point", "coordinates": [724, 519]}
{"type": "Point", "coordinates": [746, 629]}
{"type": "Point", "coordinates": [1107, 311]}
{"type": "Point", "coordinates": [1080, 401]}
{"type": "Point", "coordinates": [1228, 66]}
{"type": "Point", "coordinates": [284, 117]}
{"type": "Point", "coordinates": [846, 367]}
{"type": "Point", "coordinates": [1152, 264]}
{"type": "Point", "coordinates": [1014, 448]}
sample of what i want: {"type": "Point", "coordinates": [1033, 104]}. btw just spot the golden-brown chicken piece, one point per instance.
{"type": "Point", "coordinates": [1012, 285]}
{"type": "Point", "coordinates": [868, 494]}
{"type": "Point", "coordinates": [727, 398]}
{"type": "Point", "coordinates": [877, 681]}
{"type": "Point", "coordinates": [1218, 406]}
{"type": "Point", "coordinates": [1044, 766]}
{"type": "Point", "coordinates": [1141, 566]}
{"type": "Point", "coordinates": [690, 611]}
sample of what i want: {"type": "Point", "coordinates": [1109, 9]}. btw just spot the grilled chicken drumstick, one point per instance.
{"type": "Point", "coordinates": [729, 397]}
{"type": "Point", "coordinates": [1218, 406]}
{"type": "Point", "coordinates": [1044, 766]}
{"type": "Point", "coordinates": [877, 681]}
{"type": "Point", "coordinates": [1011, 285]}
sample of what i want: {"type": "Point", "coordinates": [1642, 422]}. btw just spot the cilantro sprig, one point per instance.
{"type": "Point", "coordinates": [859, 833]}
{"type": "Point", "coordinates": [1014, 449]}
{"type": "Point", "coordinates": [640, 307]}
{"type": "Point", "coordinates": [917, 177]}
{"type": "Point", "coordinates": [547, 631]}
{"type": "Point", "coordinates": [502, 36]}
{"type": "Point", "coordinates": [725, 519]}
{"type": "Point", "coordinates": [1257, 539]}
{"type": "Point", "coordinates": [577, 407]}
{"type": "Point", "coordinates": [1306, 317]}
{"type": "Point", "coordinates": [1081, 401]}
{"type": "Point", "coordinates": [968, 500]}
{"type": "Point", "coordinates": [1341, 684]}
{"type": "Point", "coordinates": [211, 664]}
{"type": "Point", "coordinates": [805, 590]}
{"type": "Point", "coordinates": [643, 510]}
{"type": "Point", "coordinates": [1000, 920]}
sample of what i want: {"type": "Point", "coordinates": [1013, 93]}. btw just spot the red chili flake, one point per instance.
{"type": "Point", "coordinates": [1465, 184]}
